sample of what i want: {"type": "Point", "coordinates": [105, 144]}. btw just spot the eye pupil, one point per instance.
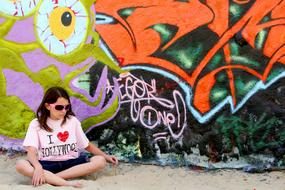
{"type": "Point", "coordinates": [66, 18]}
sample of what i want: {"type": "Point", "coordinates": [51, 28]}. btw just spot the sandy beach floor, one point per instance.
{"type": "Point", "coordinates": [148, 177]}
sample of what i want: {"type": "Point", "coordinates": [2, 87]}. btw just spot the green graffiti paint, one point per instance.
{"type": "Point", "coordinates": [252, 133]}
{"type": "Point", "coordinates": [17, 114]}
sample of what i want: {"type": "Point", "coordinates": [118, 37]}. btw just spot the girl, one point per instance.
{"type": "Point", "coordinates": [53, 141]}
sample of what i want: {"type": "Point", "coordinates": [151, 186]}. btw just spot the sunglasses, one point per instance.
{"type": "Point", "coordinates": [61, 107]}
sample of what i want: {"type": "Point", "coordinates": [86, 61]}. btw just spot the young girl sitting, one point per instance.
{"type": "Point", "coordinates": [53, 142]}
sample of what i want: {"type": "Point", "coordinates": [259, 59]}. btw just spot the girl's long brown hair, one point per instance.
{"type": "Point", "coordinates": [50, 97]}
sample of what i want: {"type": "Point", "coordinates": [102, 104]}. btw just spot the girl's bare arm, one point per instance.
{"type": "Point", "coordinates": [38, 177]}
{"type": "Point", "coordinates": [96, 151]}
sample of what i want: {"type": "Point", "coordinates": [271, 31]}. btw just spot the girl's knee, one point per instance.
{"type": "Point", "coordinates": [99, 161]}
{"type": "Point", "coordinates": [21, 165]}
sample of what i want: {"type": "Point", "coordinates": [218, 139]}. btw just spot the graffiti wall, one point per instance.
{"type": "Point", "coordinates": [197, 83]}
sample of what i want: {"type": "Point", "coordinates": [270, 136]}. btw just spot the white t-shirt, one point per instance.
{"type": "Point", "coordinates": [63, 143]}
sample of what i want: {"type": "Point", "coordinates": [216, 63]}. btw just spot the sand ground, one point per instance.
{"type": "Point", "coordinates": [148, 177]}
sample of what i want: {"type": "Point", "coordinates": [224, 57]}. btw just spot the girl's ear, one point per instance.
{"type": "Point", "coordinates": [47, 106]}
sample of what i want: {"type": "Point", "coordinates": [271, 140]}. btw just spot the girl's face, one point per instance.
{"type": "Point", "coordinates": [58, 109]}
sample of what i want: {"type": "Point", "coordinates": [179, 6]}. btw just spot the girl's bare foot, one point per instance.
{"type": "Point", "coordinates": [76, 184]}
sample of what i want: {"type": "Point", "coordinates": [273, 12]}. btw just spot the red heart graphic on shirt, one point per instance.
{"type": "Point", "coordinates": [63, 136]}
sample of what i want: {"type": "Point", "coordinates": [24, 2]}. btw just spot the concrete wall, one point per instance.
{"type": "Point", "coordinates": [168, 82]}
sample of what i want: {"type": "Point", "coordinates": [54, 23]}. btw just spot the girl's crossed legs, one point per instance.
{"type": "Point", "coordinates": [58, 178]}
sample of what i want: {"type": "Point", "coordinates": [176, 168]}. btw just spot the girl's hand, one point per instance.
{"type": "Point", "coordinates": [38, 177]}
{"type": "Point", "coordinates": [112, 159]}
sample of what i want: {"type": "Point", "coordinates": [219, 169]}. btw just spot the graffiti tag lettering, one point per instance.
{"type": "Point", "coordinates": [142, 98]}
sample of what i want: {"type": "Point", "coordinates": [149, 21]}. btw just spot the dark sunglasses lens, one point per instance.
{"type": "Point", "coordinates": [59, 107]}
{"type": "Point", "coordinates": [67, 107]}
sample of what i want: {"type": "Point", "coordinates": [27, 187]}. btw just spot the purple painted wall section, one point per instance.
{"type": "Point", "coordinates": [22, 31]}
{"type": "Point", "coordinates": [17, 85]}
{"type": "Point", "coordinates": [38, 59]}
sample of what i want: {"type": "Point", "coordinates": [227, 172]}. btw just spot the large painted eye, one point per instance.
{"type": "Point", "coordinates": [17, 8]}
{"type": "Point", "coordinates": [61, 25]}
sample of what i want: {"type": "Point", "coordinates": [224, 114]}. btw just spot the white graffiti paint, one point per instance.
{"type": "Point", "coordinates": [18, 8]}
{"type": "Point", "coordinates": [61, 26]}
{"type": "Point", "coordinates": [142, 96]}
